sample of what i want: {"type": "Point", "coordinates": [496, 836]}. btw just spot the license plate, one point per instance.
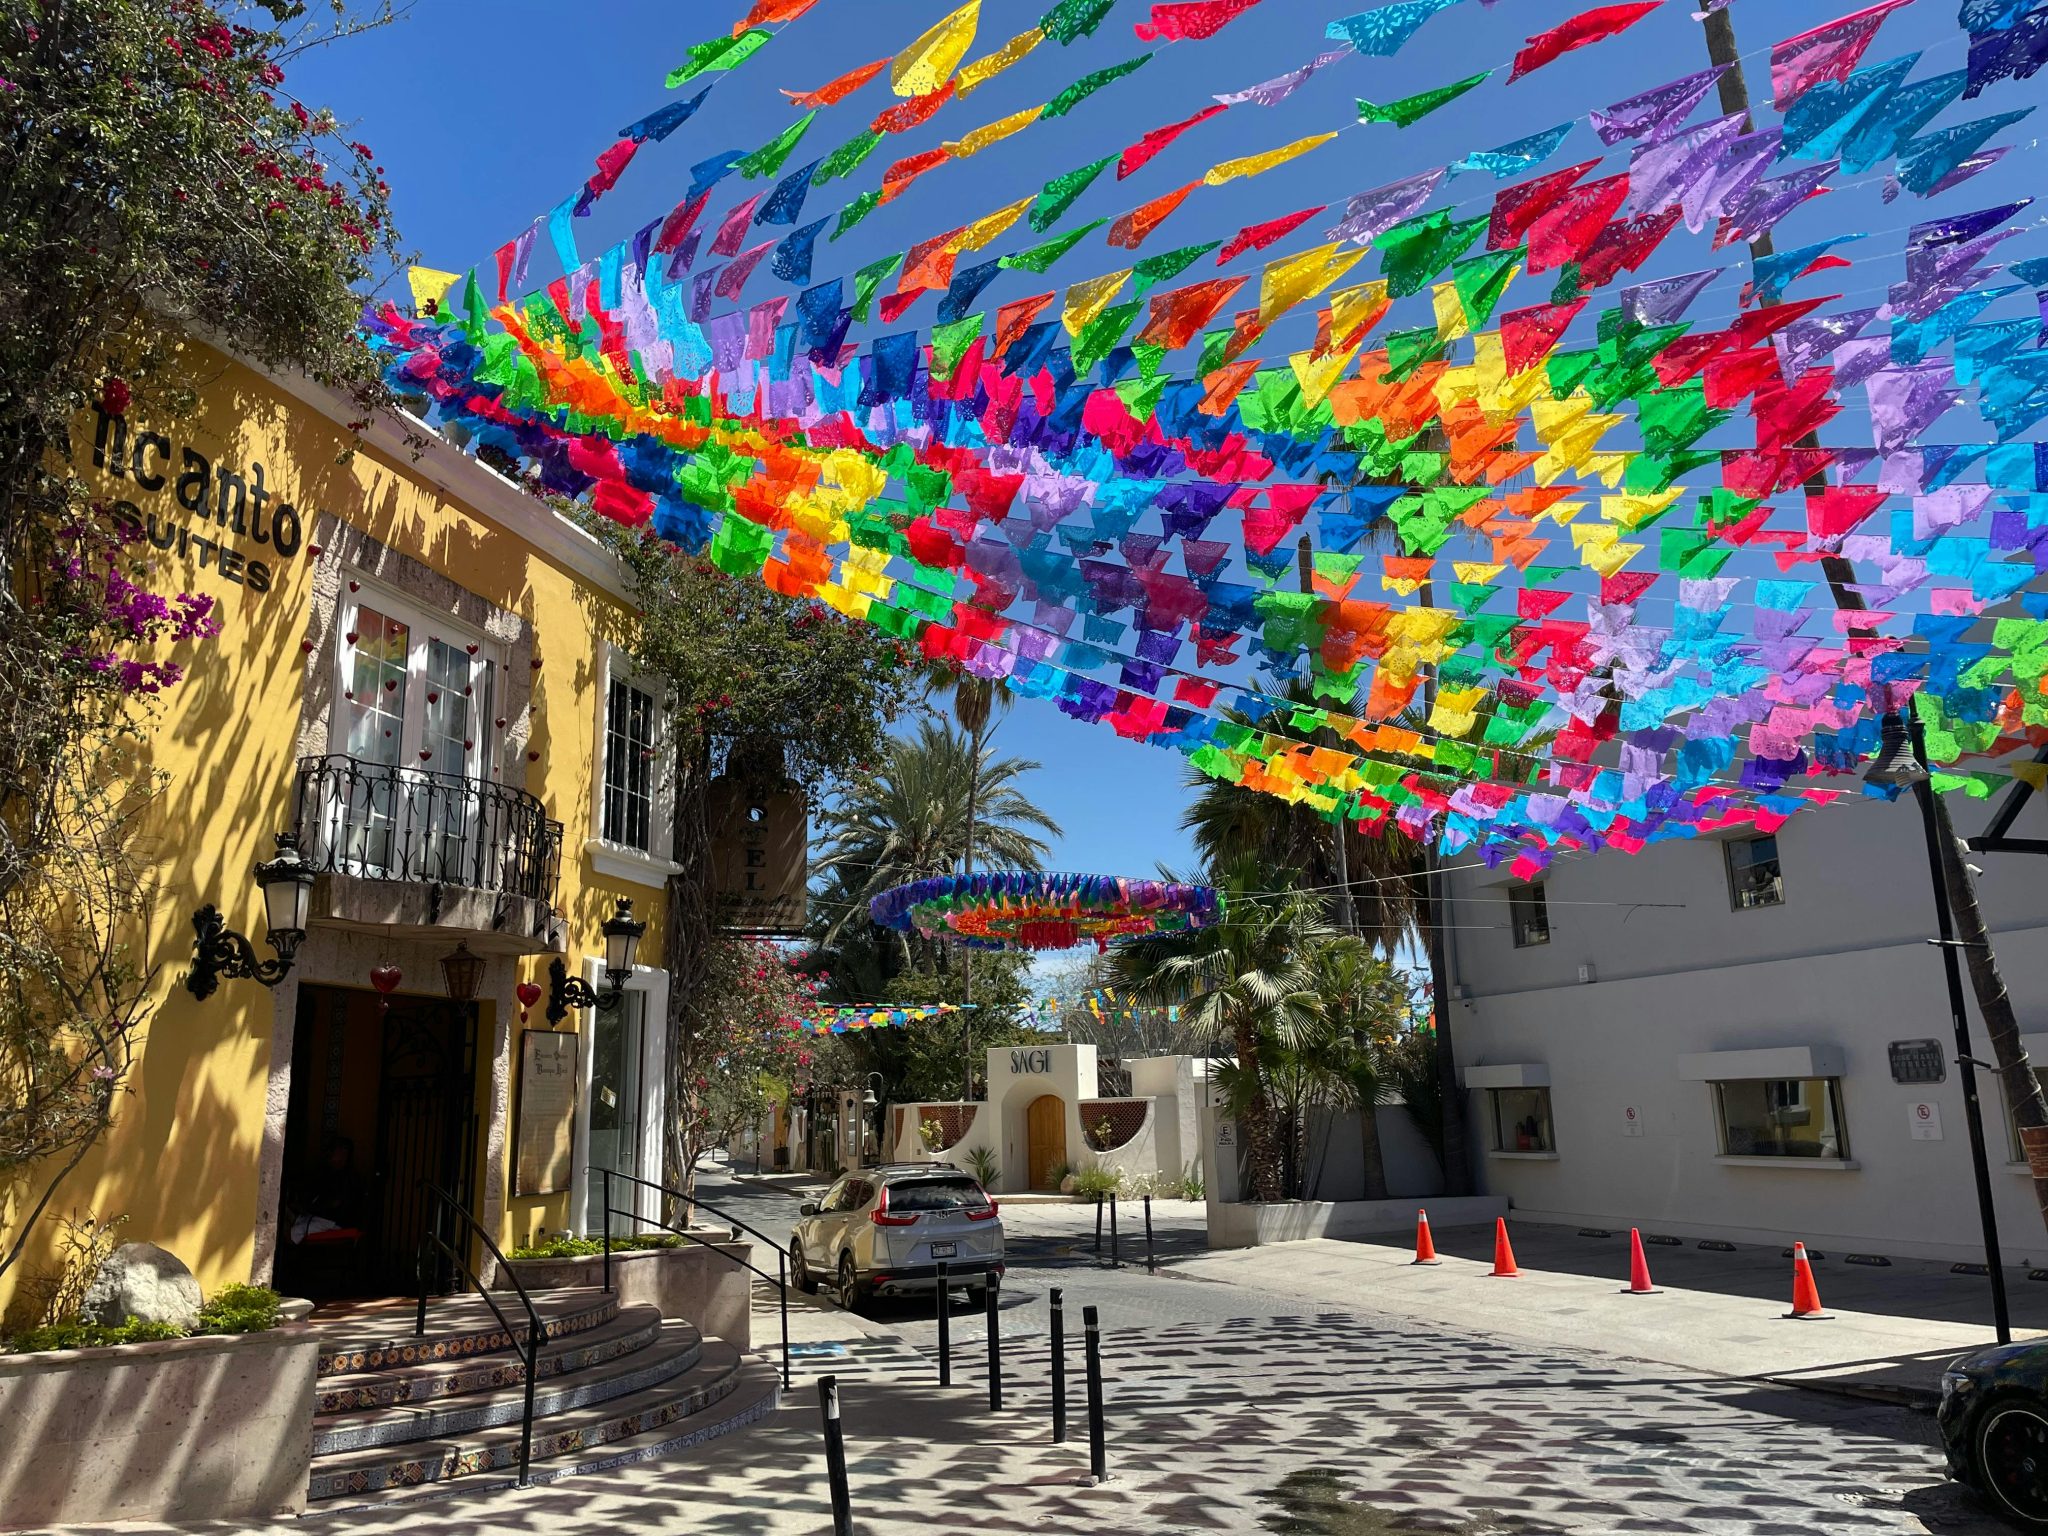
{"type": "Point", "coordinates": [944, 1250]}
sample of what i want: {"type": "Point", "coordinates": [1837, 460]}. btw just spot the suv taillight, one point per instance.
{"type": "Point", "coordinates": [983, 1212]}
{"type": "Point", "coordinates": [882, 1218]}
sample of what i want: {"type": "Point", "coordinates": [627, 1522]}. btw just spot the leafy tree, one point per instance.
{"type": "Point", "coordinates": [1362, 1004]}
{"type": "Point", "coordinates": [155, 172]}
{"type": "Point", "coordinates": [769, 687]}
{"type": "Point", "coordinates": [1242, 981]}
{"type": "Point", "coordinates": [743, 1050]}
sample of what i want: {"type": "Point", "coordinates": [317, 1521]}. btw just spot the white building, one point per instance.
{"type": "Point", "coordinates": [1716, 1038]}
{"type": "Point", "coordinates": [1046, 1118]}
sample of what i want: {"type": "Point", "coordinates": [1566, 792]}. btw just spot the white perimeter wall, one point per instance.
{"type": "Point", "coordinates": [1844, 964]}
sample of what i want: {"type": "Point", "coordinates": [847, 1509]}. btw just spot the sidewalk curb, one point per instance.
{"type": "Point", "coordinates": [1911, 1399]}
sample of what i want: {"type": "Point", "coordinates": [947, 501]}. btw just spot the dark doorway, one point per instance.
{"type": "Point", "coordinates": [383, 1104]}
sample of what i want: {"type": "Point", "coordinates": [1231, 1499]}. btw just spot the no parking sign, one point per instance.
{"type": "Point", "coordinates": [1924, 1119]}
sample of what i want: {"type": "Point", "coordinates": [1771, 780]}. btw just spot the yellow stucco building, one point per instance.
{"type": "Point", "coordinates": [419, 678]}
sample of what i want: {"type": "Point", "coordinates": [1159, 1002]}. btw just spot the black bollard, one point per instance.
{"type": "Point", "coordinates": [991, 1300]}
{"type": "Point", "coordinates": [1098, 1226]}
{"type": "Point", "coordinates": [945, 1330]}
{"type": "Point", "coordinates": [1098, 1454]}
{"type": "Point", "coordinates": [1115, 1252]}
{"type": "Point", "coordinates": [835, 1457]}
{"type": "Point", "coordinates": [1151, 1258]}
{"type": "Point", "coordinates": [1059, 1369]}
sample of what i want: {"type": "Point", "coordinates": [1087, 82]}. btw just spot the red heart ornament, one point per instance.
{"type": "Point", "coordinates": [471, 649]}
{"type": "Point", "coordinates": [306, 646]}
{"type": "Point", "coordinates": [425, 754]}
{"type": "Point", "coordinates": [385, 978]}
{"type": "Point", "coordinates": [533, 757]}
{"type": "Point", "coordinates": [433, 698]}
{"type": "Point", "coordinates": [316, 550]}
{"type": "Point", "coordinates": [467, 745]}
{"type": "Point", "coordinates": [390, 685]}
{"type": "Point", "coordinates": [529, 993]}
{"type": "Point", "coordinates": [536, 663]}
{"type": "Point", "coordinates": [349, 695]}
{"type": "Point", "coordinates": [353, 637]}
{"type": "Point", "coordinates": [501, 722]}
{"type": "Point", "coordinates": [355, 586]}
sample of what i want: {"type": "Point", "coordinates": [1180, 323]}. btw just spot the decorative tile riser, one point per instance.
{"type": "Point", "coordinates": [458, 1420]}
{"type": "Point", "coordinates": [423, 1351]}
{"type": "Point", "coordinates": [668, 1445]}
{"type": "Point", "coordinates": [505, 1458]}
{"type": "Point", "coordinates": [396, 1391]}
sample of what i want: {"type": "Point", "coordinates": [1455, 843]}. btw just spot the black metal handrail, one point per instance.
{"type": "Point", "coordinates": [780, 1279]}
{"type": "Point", "coordinates": [445, 1204]}
{"type": "Point", "coordinates": [385, 822]}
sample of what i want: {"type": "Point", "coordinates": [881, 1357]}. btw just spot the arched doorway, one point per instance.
{"type": "Point", "coordinates": [1045, 1140]}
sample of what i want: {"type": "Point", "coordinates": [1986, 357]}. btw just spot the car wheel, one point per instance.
{"type": "Point", "coordinates": [850, 1293]}
{"type": "Point", "coordinates": [800, 1270]}
{"type": "Point", "coordinates": [2011, 1445]}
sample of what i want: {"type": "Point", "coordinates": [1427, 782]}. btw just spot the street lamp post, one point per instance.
{"type": "Point", "coordinates": [868, 1100]}
{"type": "Point", "coordinates": [1901, 763]}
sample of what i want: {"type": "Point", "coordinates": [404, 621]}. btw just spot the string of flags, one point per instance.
{"type": "Point", "coordinates": [1594, 558]}
{"type": "Point", "coordinates": [858, 1016]}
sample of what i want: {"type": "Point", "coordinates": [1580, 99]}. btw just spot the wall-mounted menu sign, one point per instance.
{"type": "Point", "coordinates": [547, 1112]}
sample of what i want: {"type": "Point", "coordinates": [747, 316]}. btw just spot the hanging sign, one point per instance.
{"type": "Point", "coordinates": [758, 872]}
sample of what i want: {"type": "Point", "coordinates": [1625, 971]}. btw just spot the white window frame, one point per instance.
{"type": "Point", "coordinates": [422, 626]}
{"type": "Point", "coordinates": [620, 861]}
{"type": "Point", "coordinates": [1498, 1143]}
{"type": "Point", "coordinates": [652, 984]}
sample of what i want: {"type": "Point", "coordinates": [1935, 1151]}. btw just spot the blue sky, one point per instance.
{"type": "Point", "coordinates": [484, 117]}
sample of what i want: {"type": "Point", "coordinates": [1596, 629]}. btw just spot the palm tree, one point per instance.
{"type": "Point", "coordinates": [1245, 980]}
{"type": "Point", "coordinates": [975, 701]}
{"type": "Point", "coordinates": [908, 820]}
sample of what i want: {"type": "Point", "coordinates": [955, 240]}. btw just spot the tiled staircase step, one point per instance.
{"type": "Point", "coordinates": [634, 1328]}
{"type": "Point", "coordinates": [674, 1350]}
{"type": "Point", "coordinates": [378, 1335]}
{"type": "Point", "coordinates": [660, 1414]}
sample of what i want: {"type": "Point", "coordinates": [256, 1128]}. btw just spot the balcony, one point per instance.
{"type": "Point", "coordinates": [402, 847]}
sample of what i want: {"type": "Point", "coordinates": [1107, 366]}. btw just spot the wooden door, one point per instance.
{"type": "Point", "coordinates": [1046, 1140]}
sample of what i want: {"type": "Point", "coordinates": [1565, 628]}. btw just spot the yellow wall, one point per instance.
{"type": "Point", "coordinates": [182, 1161]}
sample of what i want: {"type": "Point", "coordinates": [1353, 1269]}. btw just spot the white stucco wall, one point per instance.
{"type": "Point", "coordinates": [1842, 966]}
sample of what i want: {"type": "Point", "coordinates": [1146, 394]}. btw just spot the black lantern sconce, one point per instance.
{"type": "Point", "coordinates": [217, 950]}
{"type": "Point", "coordinates": [621, 944]}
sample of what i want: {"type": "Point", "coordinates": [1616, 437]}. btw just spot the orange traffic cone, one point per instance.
{"type": "Point", "coordinates": [1425, 1249]}
{"type": "Point", "coordinates": [1638, 1267]}
{"type": "Point", "coordinates": [1503, 1254]}
{"type": "Point", "coordinates": [1805, 1294]}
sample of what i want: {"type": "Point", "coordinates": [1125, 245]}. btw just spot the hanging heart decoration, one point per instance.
{"type": "Point", "coordinates": [536, 663]}
{"type": "Point", "coordinates": [390, 685]}
{"type": "Point", "coordinates": [306, 646]}
{"type": "Point", "coordinates": [355, 586]}
{"type": "Point", "coordinates": [385, 978]}
{"type": "Point", "coordinates": [433, 698]}
{"type": "Point", "coordinates": [529, 994]}
{"type": "Point", "coordinates": [471, 649]}
{"type": "Point", "coordinates": [533, 757]}
{"type": "Point", "coordinates": [501, 722]}
{"type": "Point", "coordinates": [353, 637]}
{"type": "Point", "coordinates": [425, 754]}
{"type": "Point", "coordinates": [316, 550]}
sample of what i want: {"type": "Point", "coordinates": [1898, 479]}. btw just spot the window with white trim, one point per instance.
{"type": "Point", "coordinates": [629, 759]}
{"type": "Point", "coordinates": [1529, 914]}
{"type": "Point", "coordinates": [1519, 1119]}
{"type": "Point", "coordinates": [1781, 1117]}
{"type": "Point", "coordinates": [632, 831]}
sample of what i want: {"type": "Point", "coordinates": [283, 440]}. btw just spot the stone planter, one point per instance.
{"type": "Point", "coordinates": [210, 1428]}
{"type": "Point", "coordinates": [704, 1286]}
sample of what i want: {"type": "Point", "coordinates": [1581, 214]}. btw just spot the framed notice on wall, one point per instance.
{"type": "Point", "coordinates": [546, 1122]}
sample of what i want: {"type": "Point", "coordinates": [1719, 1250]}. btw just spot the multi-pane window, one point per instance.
{"type": "Point", "coordinates": [1754, 878]}
{"type": "Point", "coordinates": [1781, 1117]}
{"type": "Point", "coordinates": [1520, 1119]}
{"type": "Point", "coordinates": [1529, 914]}
{"type": "Point", "coordinates": [629, 754]}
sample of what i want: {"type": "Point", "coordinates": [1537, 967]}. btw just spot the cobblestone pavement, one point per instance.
{"type": "Point", "coordinates": [1254, 1415]}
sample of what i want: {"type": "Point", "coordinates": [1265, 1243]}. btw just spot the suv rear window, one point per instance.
{"type": "Point", "coordinates": [935, 1195]}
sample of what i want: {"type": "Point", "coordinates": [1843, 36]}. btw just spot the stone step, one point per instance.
{"type": "Point", "coordinates": [378, 1335]}
{"type": "Point", "coordinates": [676, 1347]}
{"type": "Point", "coordinates": [657, 1417]}
{"type": "Point", "coordinates": [750, 1395]}
{"type": "Point", "coordinates": [634, 1328]}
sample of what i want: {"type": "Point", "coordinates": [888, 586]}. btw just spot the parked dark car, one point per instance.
{"type": "Point", "coordinates": [1994, 1426]}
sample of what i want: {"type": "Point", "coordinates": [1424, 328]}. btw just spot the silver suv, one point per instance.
{"type": "Point", "coordinates": [882, 1231]}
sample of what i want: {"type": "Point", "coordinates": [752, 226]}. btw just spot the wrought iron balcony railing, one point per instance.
{"type": "Point", "coordinates": [381, 822]}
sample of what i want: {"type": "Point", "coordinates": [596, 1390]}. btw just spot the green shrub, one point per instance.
{"type": "Point", "coordinates": [981, 1162]}
{"type": "Point", "coordinates": [239, 1309]}
{"type": "Point", "coordinates": [1098, 1183]}
{"type": "Point", "coordinates": [563, 1246]}
{"type": "Point", "coordinates": [1191, 1187]}
{"type": "Point", "coordinates": [77, 1335]}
